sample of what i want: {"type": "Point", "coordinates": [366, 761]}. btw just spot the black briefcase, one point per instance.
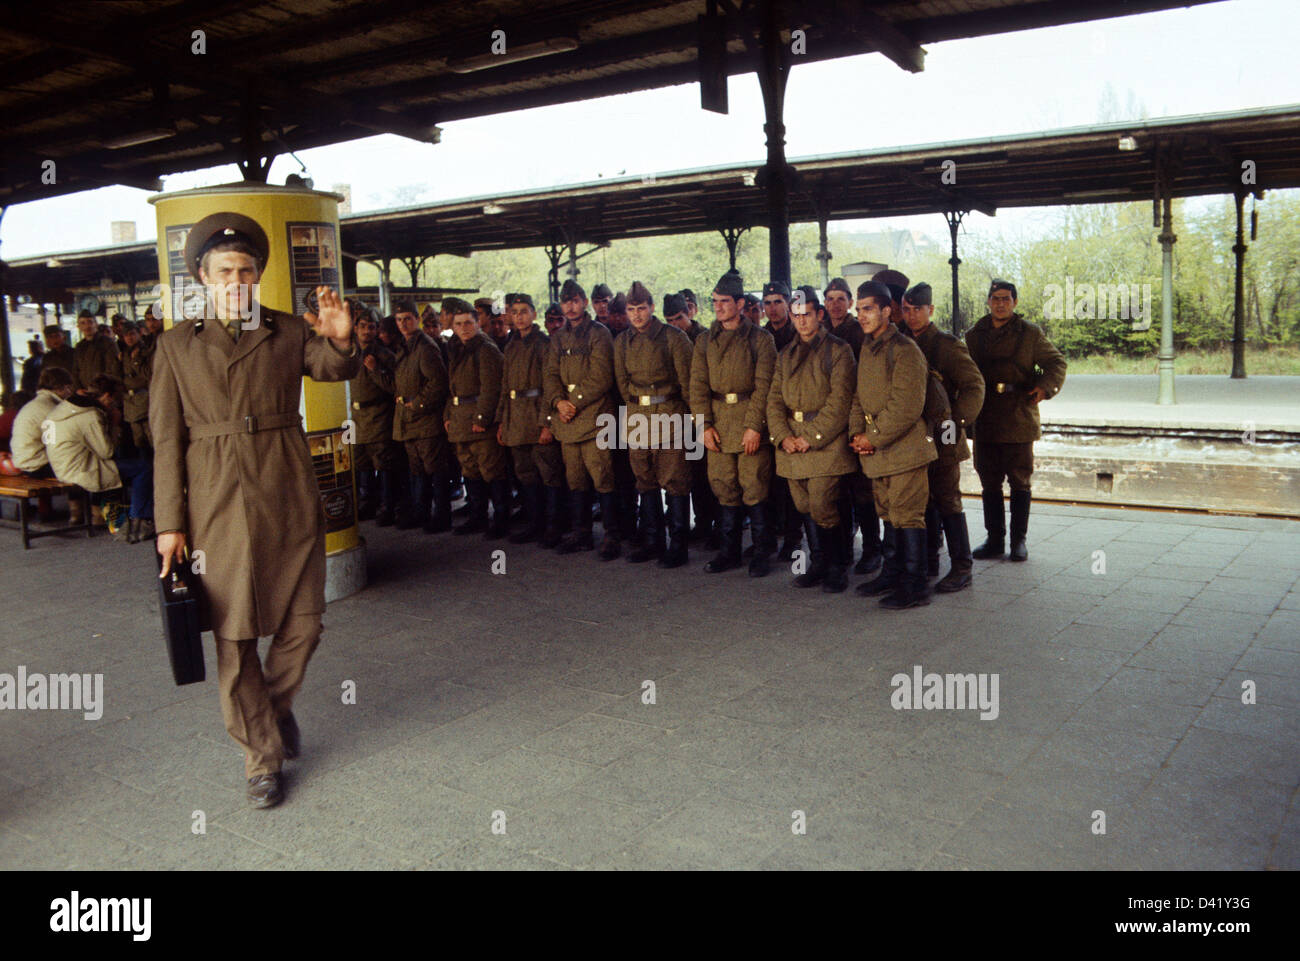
{"type": "Point", "coordinates": [185, 618]}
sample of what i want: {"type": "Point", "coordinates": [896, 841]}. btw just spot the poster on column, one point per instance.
{"type": "Point", "coordinates": [187, 294]}
{"type": "Point", "coordinates": [332, 460]}
{"type": "Point", "coordinates": [313, 260]}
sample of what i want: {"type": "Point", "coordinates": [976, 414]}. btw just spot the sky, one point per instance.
{"type": "Point", "coordinates": [1231, 55]}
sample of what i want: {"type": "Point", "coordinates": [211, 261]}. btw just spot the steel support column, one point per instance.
{"type": "Point", "coordinates": [774, 67]}
{"type": "Point", "coordinates": [1167, 240]}
{"type": "Point", "coordinates": [385, 291]}
{"type": "Point", "coordinates": [732, 237]}
{"type": "Point", "coordinates": [553, 277]}
{"type": "Point", "coordinates": [823, 253]}
{"type": "Point", "coordinates": [6, 349]}
{"type": "Point", "coordinates": [1238, 299]}
{"type": "Point", "coordinates": [954, 221]}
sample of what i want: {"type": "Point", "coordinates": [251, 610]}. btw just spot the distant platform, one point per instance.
{"type": "Point", "coordinates": [1205, 402]}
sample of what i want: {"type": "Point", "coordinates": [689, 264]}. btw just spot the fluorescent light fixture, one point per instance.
{"type": "Point", "coordinates": [748, 177]}
{"type": "Point", "coordinates": [137, 137]}
{"type": "Point", "coordinates": [525, 51]}
{"type": "Point", "coordinates": [1128, 142]}
{"type": "Point", "coordinates": [493, 209]}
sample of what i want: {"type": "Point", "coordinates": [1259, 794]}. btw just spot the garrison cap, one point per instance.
{"type": "Point", "coordinates": [895, 280]}
{"type": "Point", "coordinates": [920, 296]}
{"type": "Point", "coordinates": [554, 310]}
{"type": "Point", "coordinates": [674, 304]}
{"type": "Point", "coordinates": [512, 299]}
{"type": "Point", "coordinates": [1003, 285]}
{"type": "Point", "coordinates": [877, 291]}
{"type": "Point", "coordinates": [778, 287]}
{"type": "Point", "coordinates": [806, 293]}
{"type": "Point", "coordinates": [404, 307]}
{"type": "Point", "coordinates": [572, 289]}
{"type": "Point", "coordinates": [689, 295]}
{"type": "Point", "coordinates": [222, 227]}
{"type": "Point", "coordinates": [601, 292]}
{"type": "Point", "coordinates": [638, 293]}
{"type": "Point", "coordinates": [458, 306]}
{"type": "Point", "coordinates": [619, 304]}
{"type": "Point", "coordinates": [839, 283]}
{"type": "Point", "coordinates": [730, 284]}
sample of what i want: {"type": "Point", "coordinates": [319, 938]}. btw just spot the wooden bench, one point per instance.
{"type": "Point", "coordinates": [25, 489]}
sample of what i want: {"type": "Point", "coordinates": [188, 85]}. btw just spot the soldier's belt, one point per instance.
{"type": "Point", "coordinates": [457, 401]}
{"type": "Point", "coordinates": [802, 415]}
{"type": "Point", "coordinates": [648, 398]}
{"type": "Point", "coordinates": [359, 404]}
{"type": "Point", "coordinates": [732, 398]}
{"type": "Point", "coordinates": [252, 424]}
{"type": "Point", "coordinates": [531, 392]}
{"type": "Point", "coordinates": [137, 392]}
{"type": "Point", "coordinates": [1002, 388]}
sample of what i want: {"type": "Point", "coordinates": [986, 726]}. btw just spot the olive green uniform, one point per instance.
{"type": "Point", "coordinates": [93, 357]}
{"type": "Point", "coordinates": [653, 371]}
{"type": "Point", "coordinates": [731, 373]}
{"type": "Point", "coordinates": [521, 411]}
{"type": "Point", "coordinates": [580, 369]}
{"type": "Point", "coordinates": [421, 380]}
{"type": "Point", "coordinates": [474, 389]}
{"type": "Point", "coordinates": [137, 369]}
{"type": "Point", "coordinates": [948, 357]}
{"type": "Point", "coordinates": [372, 393]}
{"type": "Point", "coordinates": [812, 392]}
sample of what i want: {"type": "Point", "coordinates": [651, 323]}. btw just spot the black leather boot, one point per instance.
{"type": "Point", "coordinates": [611, 521]}
{"type": "Point", "coordinates": [500, 525]}
{"type": "Point", "coordinates": [791, 530]}
{"type": "Point", "coordinates": [533, 504]}
{"type": "Point", "coordinates": [556, 509]}
{"type": "Point", "coordinates": [579, 536]}
{"type": "Point", "coordinates": [868, 522]}
{"type": "Point", "coordinates": [995, 523]}
{"type": "Point", "coordinates": [367, 495]}
{"type": "Point", "coordinates": [629, 512]}
{"type": "Point", "coordinates": [651, 516]}
{"type": "Point", "coordinates": [412, 516]}
{"type": "Point", "coordinates": [838, 552]}
{"type": "Point", "coordinates": [890, 565]}
{"type": "Point", "coordinates": [760, 532]}
{"type": "Point", "coordinates": [728, 555]}
{"type": "Point", "coordinates": [933, 538]}
{"type": "Point", "coordinates": [959, 574]}
{"type": "Point", "coordinates": [476, 493]}
{"type": "Point", "coordinates": [387, 513]}
{"type": "Point", "coordinates": [816, 555]}
{"type": "Point", "coordinates": [1019, 524]}
{"type": "Point", "coordinates": [679, 523]}
{"type": "Point", "coordinates": [440, 492]}
{"type": "Point", "coordinates": [912, 589]}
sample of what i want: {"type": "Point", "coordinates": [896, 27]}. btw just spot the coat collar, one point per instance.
{"type": "Point", "coordinates": [211, 331]}
{"type": "Point", "coordinates": [878, 344]}
{"type": "Point", "coordinates": [652, 330]}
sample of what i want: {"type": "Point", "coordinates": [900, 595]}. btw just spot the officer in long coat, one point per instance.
{"type": "Point", "coordinates": [1021, 369]}
{"type": "Point", "coordinates": [233, 478]}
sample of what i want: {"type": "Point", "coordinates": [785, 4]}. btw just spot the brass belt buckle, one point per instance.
{"type": "Point", "coordinates": [732, 398]}
{"type": "Point", "coordinates": [250, 423]}
{"type": "Point", "coordinates": [512, 395]}
{"type": "Point", "coordinates": [356, 405]}
{"type": "Point", "coordinates": [572, 388]}
{"type": "Point", "coordinates": [645, 400]}
{"type": "Point", "coordinates": [1003, 388]}
{"type": "Point", "coordinates": [798, 416]}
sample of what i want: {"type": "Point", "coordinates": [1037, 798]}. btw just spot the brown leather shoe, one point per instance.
{"type": "Point", "coordinates": [265, 790]}
{"type": "Point", "coordinates": [290, 736]}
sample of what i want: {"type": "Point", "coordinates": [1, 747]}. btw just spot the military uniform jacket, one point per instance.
{"type": "Point", "coordinates": [694, 331]}
{"type": "Point", "coordinates": [371, 393]}
{"type": "Point", "coordinates": [850, 332]}
{"type": "Point", "coordinates": [137, 368]}
{"type": "Point", "coordinates": [521, 416]}
{"type": "Point", "coordinates": [654, 363]}
{"type": "Point", "coordinates": [783, 335]}
{"type": "Point", "coordinates": [812, 390]}
{"type": "Point", "coordinates": [421, 377]}
{"type": "Point", "coordinates": [888, 404]}
{"type": "Point", "coordinates": [738, 363]}
{"type": "Point", "coordinates": [249, 501]}
{"type": "Point", "coordinates": [580, 369]}
{"type": "Point", "coordinates": [1008, 357]}
{"type": "Point", "coordinates": [474, 376]}
{"type": "Point", "coordinates": [61, 358]}
{"type": "Point", "coordinates": [93, 357]}
{"type": "Point", "coordinates": [962, 381]}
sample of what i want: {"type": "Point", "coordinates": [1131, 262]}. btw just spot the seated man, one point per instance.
{"type": "Point", "coordinates": [80, 436]}
{"type": "Point", "coordinates": [54, 386]}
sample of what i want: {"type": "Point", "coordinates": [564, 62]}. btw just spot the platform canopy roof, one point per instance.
{"type": "Point", "coordinates": [125, 91]}
{"type": "Point", "coordinates": [1204, 156]}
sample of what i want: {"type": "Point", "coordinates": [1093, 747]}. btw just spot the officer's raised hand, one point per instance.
{"type": "Point", "coordinates": [334, 320]}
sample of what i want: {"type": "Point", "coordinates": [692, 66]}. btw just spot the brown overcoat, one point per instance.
{"type": "Point", "coordinates": [732, 362]}
{"type": "Point", "coordinates": [249, 501]}
{"type": "Point", "coordinates": [888, 404]}
{"type": "Point", "coordinates": [1019, 357]}
{"type": "Point", "coordinates": [580, 369]}
{"type": "Point", "coordinates": [522, 418]}
{"type": "Point", "coordinates": [947, 355]}
{"type": "Point", "coordinates": [473, 370]}
{"type": "Point", "coordinates": [137, 367]}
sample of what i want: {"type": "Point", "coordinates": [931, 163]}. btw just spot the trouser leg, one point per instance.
{"type": "Point", "coordinates": [246, 706]}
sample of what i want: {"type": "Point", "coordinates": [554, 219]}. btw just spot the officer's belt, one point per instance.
{"type": "Point", "coordinates": [645, 397]}
{"type": "Point", "coordinates": [456, 401]}
{"type": "Point", "coordinates": [802, 415]}
{"type": "Point", "coordinates": [359, 404]}
{"type": "Point", "coordinates": [732, 398]}
{"type": "Point", "coordinates": [521, 394]}
{"type": "Point", "coordinates": [252, 424]}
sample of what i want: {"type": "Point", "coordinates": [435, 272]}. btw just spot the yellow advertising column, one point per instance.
{"type": "Point", "coordinates": [303, 229]}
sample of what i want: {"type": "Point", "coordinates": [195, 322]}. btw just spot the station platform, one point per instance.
{"type": "Point", "coordinates": [1121, 649]}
